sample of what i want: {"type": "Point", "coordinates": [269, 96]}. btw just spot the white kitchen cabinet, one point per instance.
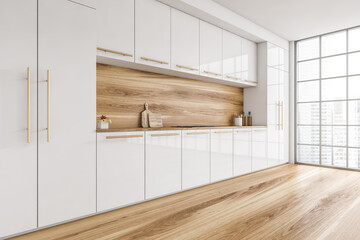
{"type": "Point", "coordinates": [259, 149]}
{"type": "Point", "coordinates": [184, 42]}
{"type": "Point", "coordinates": [232, 56]}
{"type": "Point", "coordinates": [120, 169]}
{"type": "Point", "coordinates": [242, 151]}
{"type": "Point", "coordinates": [221, 154]}
{"type": "Point", "coordinates": [67, 109]}
{"type": "Point", "coordinates": [163, 163]}
{"type": "Point", "coordinates": [277, 105]}
{"type": "Point", "coordinates": [210, 50]}
{"type": "Point", "coordinates": [152, 33]}
{"type": "Point", "coordinates": [115, 29]}
{"type": "Point", "coordinates": [195, 158]}
{"type": "Point", "coordinates": [249, 61]}
{"type": "Point", "coordinates": [18, 159]}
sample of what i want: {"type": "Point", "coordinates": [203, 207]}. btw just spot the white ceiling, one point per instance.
{"type": "Point", "coordinates": [294, 20]}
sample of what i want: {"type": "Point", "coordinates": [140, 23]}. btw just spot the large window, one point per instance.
{"type": "Point", "coordinates": [328, 99]}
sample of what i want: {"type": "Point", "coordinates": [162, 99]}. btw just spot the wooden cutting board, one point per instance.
{"type": "Point", "coordinates": [145, 117]}
{"type": "Point", "coordinates": [155, 120]}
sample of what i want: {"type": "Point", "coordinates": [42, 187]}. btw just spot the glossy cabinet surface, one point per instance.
{"type": "Point", "coordinates": [67, 160]}
{"type": "Point", "coordinates": [163, 163]}
{"type": "Point", "coordinates": [115, 28]}
{"type": "Point", "coordinates": [259, 149]}
{"type": "Point", "coordinates": [195, 158]}
{"type": "Point", "coordinates": [18, 157]}
{"type": "Point", "coordinates": [152, 33]}
{"type": "Point", "coordinates": [210, 50]}
{"type": "Point", "coordinates": [232, 68]}
{"type": "Point", "coordinates": [249, 61]}
{"type": "Point", "coordinates": [277, 104]}
{"type": "Point", "coordinates": [184, 42]}
{"type": "Point", "coordinates": [242, 151]}
{"type": "Point", "coordinates": [120, 169]}
{"type": "Point", "coordinates": [221, 154]}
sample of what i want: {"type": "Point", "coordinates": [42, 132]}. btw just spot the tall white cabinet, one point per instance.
{"type": "Point", "coordinates": [18, 110]}
{"type": "Point", "coordinates": [47, 163]}
{"type": "Point", "coordinates": [67, 91]}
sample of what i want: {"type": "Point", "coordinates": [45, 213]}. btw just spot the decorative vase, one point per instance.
{"type": "Point", "coordinates": [103, 125]}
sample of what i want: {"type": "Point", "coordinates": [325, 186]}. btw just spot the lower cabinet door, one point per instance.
{"type": "Point", "coordinates": [259, 149]}
{"type": "Point", "coordinates": [242, 152]}
{"type": "Point", "coordinates": [120, 169]}
{"type": "Point", "coordinates": [221, 154]}
{"type": "Point", "coordinates": [163, 163]}
{"type": "Point", "coordinates": [195, 158]}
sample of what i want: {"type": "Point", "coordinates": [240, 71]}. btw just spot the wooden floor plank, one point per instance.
{"type": "Point", "coordinates": [285, 202]}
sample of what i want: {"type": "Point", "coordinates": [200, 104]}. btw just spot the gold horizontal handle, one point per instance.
{"type": "Point", "coordinates": [188, 68]}
{"type": "Point", "coordinates": [153, 60]}
{"type": "Point", "coordinates": [116, 52]}
{"type": "Point", "coordinates": [129, 136]}
{"type": "Point", "coordinates": [224, 132]}
{"type": "Point", "coordinates": [165, 134]}
{"type": "Point", "coordinates": [250, 81]}
{"type": "Point", "coordinates": [197, 133]}
{"type": "Point", "coordinates": [212, 73]}
{"type": "Point", "coordinates": [243, 131]}
{"type": "Point", "coordinates": [259, 130]}
{"type": "Point", "coordinates": [235, 78]}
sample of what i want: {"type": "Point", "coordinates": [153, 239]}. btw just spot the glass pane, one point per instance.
{"type": "Point", "coordinates": [333, 136]}
{"type": "Point", "coordinates": [334, 43]}
{"type": "Point", "coordinates": [354, 158]}
{"type": "Point", "coordinates": [354, 86]}
{"type": "Point", "coordinates": [308, 70]}
{"type": "Point", "coordinates": [333, 156]}
{"type": "Point", "coordinates": [333, 89]}
{"type": "Point", "coordinates": [308, 134]}
{"type": "Point", "coordinates": [354, 136]}
{"type": "Point", "coordinates": [308, 154]}
{"type": "Point", "coordinates": [308, 49]}
{"type": "Point", "coordinates": [333, 113]}
{"type": "Point", "coordinates": [333, 66]}
{"type": "Point", "coordinates": [354, 39]}
{"type": "Point", "coordinates": [308, 113]}
{"type": "Point", "coordinates": [354, 112]}
{"type": "Point", "coordinates": [308, 91]}
{"type": "Point", "coordinates": [354, 63]}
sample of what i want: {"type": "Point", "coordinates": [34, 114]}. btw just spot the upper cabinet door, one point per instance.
{"type": "Point", "coordinates": [115, 29]}
{"type": "Point", "coordinates": [184, 42]}
{"type": "Point", "coordinates": [152, 33]}
{"type": "Point", "coordinates": [273, 56]}
{"type": "Point", "coordinates": [231, 56]}
{"type": "Point", "coordinates": [67, 159]}
{"type": "Point", "coordinates": [249, 61]}
{"type": "Point", "coordinates": [210, 50]}
{"type": "Point", "coordinates": [18, 133]}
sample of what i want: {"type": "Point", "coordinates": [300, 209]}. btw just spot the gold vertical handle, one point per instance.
{"type": "Point", "coordinates": [282, 115]}
{"type": "Point", "coordinates": [278, 105]}
{"type": "Point", "coordinates": [48, 105]}
{"type": "Point", "coordinates": [28, 104]}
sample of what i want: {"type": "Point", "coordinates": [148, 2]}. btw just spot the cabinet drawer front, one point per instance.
{"type": "Point", "coordinates": [242, 135]}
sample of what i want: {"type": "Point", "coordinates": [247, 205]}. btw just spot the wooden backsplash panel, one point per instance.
{"type": "Point", "coordinates": [122, 92]}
